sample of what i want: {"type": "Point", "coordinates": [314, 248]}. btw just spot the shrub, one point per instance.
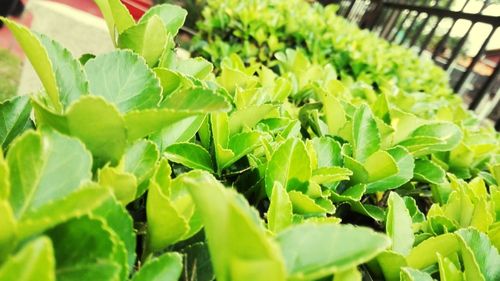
{"type": "Point", "coordinates": [140, 165]}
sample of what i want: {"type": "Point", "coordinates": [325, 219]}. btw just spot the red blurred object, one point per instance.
{"type": "Point", "coordinates": [137, 7]}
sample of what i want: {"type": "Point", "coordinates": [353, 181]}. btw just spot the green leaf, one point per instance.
{"type": "Point", "coordinates": [360, 174]}
{"type": "Point", "coordinates": [328, 151]}
{"type": "Point", "coordinates": [190, 155]}
{"type": "Point", "coordinates": [147, 39]}
{"type": "Point", "coordinates": [145, 122]}
{"type": "Point", "coordinates": [248, 117]}
{"type": "Point", "coordinates": [239, 246]}
{"type": "Point", "coordinates": [428, 171]}
{"type": "Point", "coordinates": [95, 122]}
{"type": "Point", "coordinates": [197, 263]}
{"type": "Point", "coordinates": [39, 58]}
{"type": "Point", "coordinates": [447, 270]}
{"type": "Point", "coordinates": [15, 116]}
{"type": "Point", "coordinates": [167, 267]}
{"type": "Point", "coordinates": [390, 264]}
{"type": "Point", "coordinates": [290, 166]}
{"type": "Point", "coordinates": [34, 162]}
{"type": "Point", "coordinates": [279, 215]}
{"type": "Point", "coordinates": [79, 202]}
{"type": "Point", "coordinates": [136, 88]}
{"type": "Point", "coordinates": [70, 78]}
{"type": "Point", "coordinates": [478, 255]}
{"type": "Point", "coordinates": [170, 80]}
{"type": "Point", "coordinates": [8, 235]}
{"type": "Point", "coordinates": [404, 123]}
{"type": "Point", "coordinates": [116, 15]}
{"type": "Point", "coordinates": [35, 261]}
{"type": "Point", "coordinates": [330, 174]}
{"type": "Point", "coordinates": [122, 184]}
{"type": "Point", "coordinates": [196, 67]}
{"type": "Point", "coordinates": [495, 171]}
{"type": "Point", "coordinates": [119, 220]}
{"type": "Point", "coordinates": [353, 193]}
{"type": "Point", "coordinates": [334, 113]}
{"type": "Point", "coordinates": [448, 136]}
{"type": "Point", "coordinates": [352, 274]}
{"type": "Point", "coordinates": [459, 208]}
{"type": "Point", "coordinates": [220, 135]}
{"type": "Point", "coordinates": [494, 235]}
{"type": "Point", "coordinates": [439, 224]}
{"type": "Point", "coordinates": [410, 274]}
{"type": "Point", "coordinates": [366, 138]}
{"type": "Point", "coordinates": [181, 131]}
{"type": "Point", "coordinates": [240, 145]}
{"type": "Point", "coordinates": [185, 205]}
{"type": "Point", "coordinates": [74, 260]}
{"type": "Point", "coordinates": [418, 146]}
{"type": "Point", "coordinates": [196, 100]}
{"type": "Point", "coordinates": [303, 204]}
{"type": "Point", "coordinates": [231, 79]}
{"type": "Point", "coordinates": [381, 108]}
{"type": "Point", "coordinates": [165, 224]}
{"type": "Point", "coordinates": [4, 178]}
{"type": "Point", "coordinates": [444, 244]}
{"type": "Point", "coordinates": [140, 160]}
{"type": "Point", "coordinates": [405, 164]}
{"type": "Point", "coordinates": [399, 225]}
{"type": "Point", "coordinates": [462, 156]}
{"type": "Point", "coordinates": [312, 251]}
{"type": "Point", "coordinates": [416, 215]}
{"type": "Point", "coordinates": [380, 165]}
{"type": "Point", "coordinates": [173, 17]}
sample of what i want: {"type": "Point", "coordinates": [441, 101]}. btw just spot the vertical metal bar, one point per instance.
{"type": "Point", "coordinates": [463, 77]}
{"type": "Point", "coordinates": [355, 12]}
{"type": "Point", "coordinates": [457, 48]}
{"type": "Point", "coordinates": [379, 8]}
{"type": "Point", "coordinates": [350, 8]}
{"type": "Point", "coordinates": [441, 43]}
{"type": "Point", "coordinates": [392, 21]}
{"type": "Point", "coordinates": [395, 34]}
{"type": "Point", "coordinates": [428, 39]}
{"type": "Point", "coordinates": [341, 9]}
{"type": "Point", "coordinates": [410, 28]}
{"type": "Point", "coordinates": [462, 41]}
{"type": "Point", "coordinates": [484, 88]}
{"type": "Point", "coordinates": [444, 40]}
{"type": "Point", "coordinates": [431, 34]}
{"type": "Point", "coordinates": [362, 10]}
{"type": "Point", "coordinates": [421, 27]}
{"type": "Point", "coordinates": [419, 30]}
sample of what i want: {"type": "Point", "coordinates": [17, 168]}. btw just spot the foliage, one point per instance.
{"type": "Point", "coordinates": [193, 7]}
{"type": "Point", "coordinates": [139, 165]}
{"type": "Point", "coordinates": [264, 30]}
{"type": "Point", "coordinates": [10, 71]}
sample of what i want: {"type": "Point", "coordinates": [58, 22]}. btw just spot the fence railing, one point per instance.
{"type": "Point", "coordinates": [457, 35]}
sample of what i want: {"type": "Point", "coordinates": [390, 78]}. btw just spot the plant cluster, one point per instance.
{"type": "Point", "coordinates": [193, 7]}
{"type": "Point", "coordinates": [139, 165]}
{"type": "Point", "coordinates": [258, 30]}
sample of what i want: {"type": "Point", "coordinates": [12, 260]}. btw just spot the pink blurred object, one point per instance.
{"type": "Point", "coordinates": [137, 7]}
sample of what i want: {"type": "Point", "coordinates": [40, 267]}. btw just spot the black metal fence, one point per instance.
{"type": "Point", "coordinates": [456, 34]}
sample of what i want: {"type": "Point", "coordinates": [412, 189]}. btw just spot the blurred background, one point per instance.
{"type": "Point", "coordinates": [461, 36]}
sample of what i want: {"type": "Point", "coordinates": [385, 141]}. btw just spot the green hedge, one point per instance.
{"type": "Point", "coordinates": [139, 165]}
